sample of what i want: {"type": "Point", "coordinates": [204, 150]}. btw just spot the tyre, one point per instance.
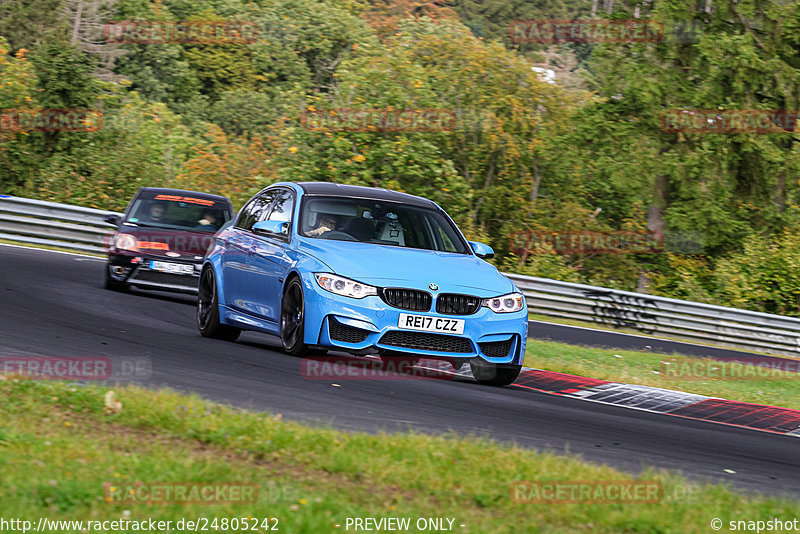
{"type": "Point", "coordinates": [293, 319]}
{"type": "Point", "coordinates": [111, 284]}
{"type": "Point", "coordinates": [495, 375]}
{"type": "Point", "coordinates": [208, 310]}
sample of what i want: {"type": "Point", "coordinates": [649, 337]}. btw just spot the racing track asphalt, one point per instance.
{"type": "Point", "coordinates": [53, 305]}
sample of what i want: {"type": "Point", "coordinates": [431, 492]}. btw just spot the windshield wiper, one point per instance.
{"type": "Point", "coordinates": [136, 223]}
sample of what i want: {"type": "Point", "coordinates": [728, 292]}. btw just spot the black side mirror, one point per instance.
{"type": "Point", "coordinates": [112, 218]}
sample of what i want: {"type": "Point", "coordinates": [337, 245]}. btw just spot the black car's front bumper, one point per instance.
{"type": "Point", "coordinates": [135, 270]}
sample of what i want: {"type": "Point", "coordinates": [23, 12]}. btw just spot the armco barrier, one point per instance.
{"type": "Point", "coordinates": [83, 229]}
{"type": "Point", "coordinates": [48, 223]}
{"type": "Point", "coordinates": [662, 316]}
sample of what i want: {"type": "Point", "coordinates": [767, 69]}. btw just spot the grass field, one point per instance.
{"type": "Point", "coordinates": [650, 369]}
{"type": "Point", "coordinates": [59, 445]}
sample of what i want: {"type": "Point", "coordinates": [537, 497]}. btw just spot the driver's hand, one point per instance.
{"type": "Point", "coordinates": [320, 230]}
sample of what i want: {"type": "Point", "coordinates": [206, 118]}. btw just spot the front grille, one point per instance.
{"type": "Point", "coordinates": [346, 333]}
{"type": "Point", "coordinates": [496, 349]}
{"type": "Point", "coordinates": [454, 304]}
{"type": "Point", "coordinates": [407, 299]}
{"type": "Point", "coordinates": [165, 278]}
{"type": "Point", "coordinates": [425, 341]}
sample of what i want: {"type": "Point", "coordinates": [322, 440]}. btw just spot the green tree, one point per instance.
{"type": "Point", "coordinates": [29, 23]}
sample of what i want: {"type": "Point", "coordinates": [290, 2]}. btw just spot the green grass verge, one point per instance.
{"type": "Point", "coordinates": [649, 369]}
{"type": "Point", "coordinates": [58, 446]}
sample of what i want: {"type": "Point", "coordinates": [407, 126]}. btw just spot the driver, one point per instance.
{"type": "Point", "coordinates": [156, 212]}
{"type": "Point", "coordinates": [325, 223]}
{"type": "Point", "coordinates": [209, 221]}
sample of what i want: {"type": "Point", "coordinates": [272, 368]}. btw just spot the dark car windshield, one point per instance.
{"type": "Point", "coordinates": [178, 212]}
{"type": "Point", "coordinates": [380, 222]}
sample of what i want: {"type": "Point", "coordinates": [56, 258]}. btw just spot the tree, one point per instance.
{"type": "Point", "coordinates": [17, 91]}
{"type": "Point", "coordinates": [85, 19]}
{"type": "Point", "coordinates": [29, 23]}
{"type": "Point", "coordinates": [481, 168]}
{"type": "Point", "coordinates": [724, 187]}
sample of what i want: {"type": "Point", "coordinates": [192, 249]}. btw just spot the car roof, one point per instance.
{"type": "Point", "coordinates": [358, 191]}
{"type": "Point", "coordinates": [182, 192]}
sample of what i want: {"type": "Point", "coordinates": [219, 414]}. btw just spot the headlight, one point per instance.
{"type": "Point", "coordinates": [344, 286]}
{"type": "Point", "coordinates": [512, 302]}
{"type": "Point", "coordinates": [126, 242]}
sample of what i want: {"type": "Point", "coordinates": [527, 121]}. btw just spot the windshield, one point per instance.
{"type": "Point", "coordinates": [380, 222]}
{"type": "Point", "coordinates": [178, 212]}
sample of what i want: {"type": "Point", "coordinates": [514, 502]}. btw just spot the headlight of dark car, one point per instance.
{"type": "Point", "coordinates": [126, 242]}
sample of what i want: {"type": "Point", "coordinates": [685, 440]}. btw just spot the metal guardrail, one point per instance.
{"type": "Point", "coordinates": [52, 224]}
{"type": "Point", "coordinates": [653, 315]}
{"type": "Point", "coordinates": [83, 229]}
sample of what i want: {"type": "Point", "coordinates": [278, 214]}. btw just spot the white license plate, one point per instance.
{"type": "Point", "coordinates": [173, 268]}
{"type": "Point", "coordinates": [426, 323]}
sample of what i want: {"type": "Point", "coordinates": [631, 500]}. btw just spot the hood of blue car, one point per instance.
{"type": "Point", "coordinates": [386, 265]}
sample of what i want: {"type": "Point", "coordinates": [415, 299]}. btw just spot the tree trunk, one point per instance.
{"type": "Point", "coordinates": [77, 24]}
{"type": "Point", "coordinates": [780, 193]}
{"type": "Point", "coordinates": [655, 223]}
{"type": "Point", "coordinates": [486, 184]}
{"type": "Point", "coordinates": [537, 179]}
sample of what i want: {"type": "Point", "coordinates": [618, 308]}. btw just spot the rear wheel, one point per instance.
{"type": "Point", "coordinates": [293, 319]}
{"type": "Point", "coordinates": [110, 283]}
{"type": "Point", "coordinates": [208, 310]}
{"type": "Point", "coordinates": [495, 375]}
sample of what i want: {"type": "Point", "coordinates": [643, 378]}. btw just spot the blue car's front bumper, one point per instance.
{"type": "Point", "coordinates": [369, 324]}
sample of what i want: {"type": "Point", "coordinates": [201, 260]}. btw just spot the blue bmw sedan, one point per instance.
{"type": "Point", "coordinates": [362, 270]}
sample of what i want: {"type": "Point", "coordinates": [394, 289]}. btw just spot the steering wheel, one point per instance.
{"type": "Point", "coordinates": [339, 236]}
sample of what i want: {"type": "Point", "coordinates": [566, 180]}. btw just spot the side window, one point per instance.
{"type": "Point", "coordinates": [244, 214]}
{"type": "Point", "coordinates": [284, 205]}
{"type": "Point", "coordinates": [255, 210]}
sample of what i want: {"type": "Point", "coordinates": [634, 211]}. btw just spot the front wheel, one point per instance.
{"type": "Point", "coordinates": [495, 375]}
{"type": "Point", "coordinates": [293, 319]}
{"type": "Point", "coordinates": [208, 310]}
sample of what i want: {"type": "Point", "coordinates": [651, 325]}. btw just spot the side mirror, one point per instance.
{"type": "Point", "coordinates": [271, 228]}
{"type": "Point", "coordinates": [112, 218]}
{"type": "Point", "coordinates": [481, 250]}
